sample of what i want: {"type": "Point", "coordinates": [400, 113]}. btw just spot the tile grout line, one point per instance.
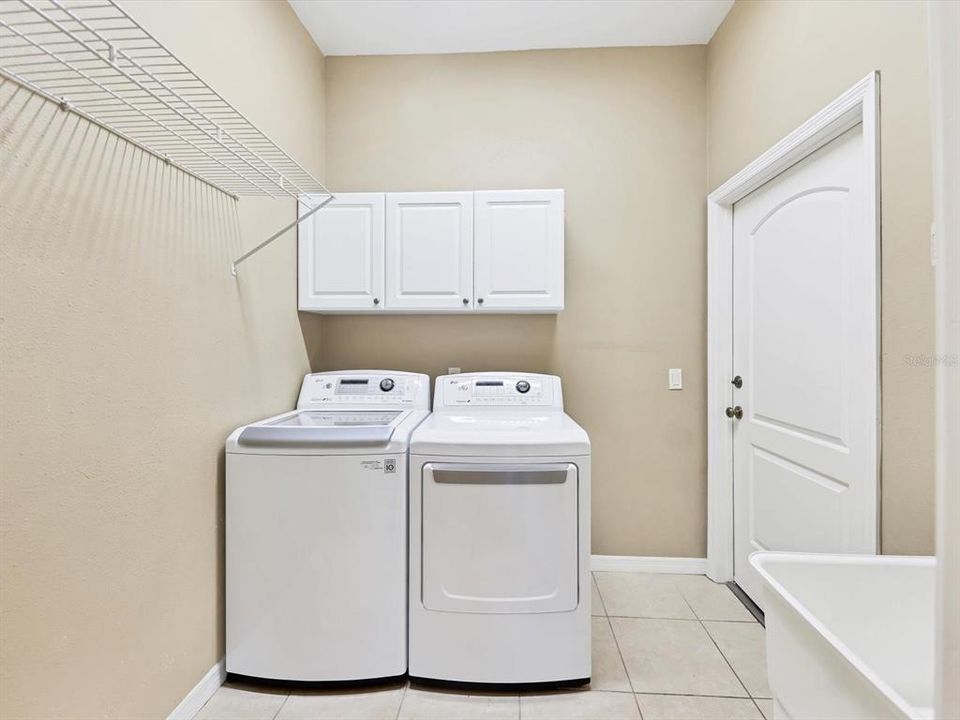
{"type": "Point", "coordinates": [403, 696]}
{"type": "Point", "coordinates": [757, 706]}
{"type": "Point", "coordinates": [716, 645]}
{"type": "Point", "coordinates": [696, 695]}
{"type": "Point", "coordinates": [749, 694]}
{"type": "Point", "coordinates": [281, 706]}
{"type": "Point", "coordinates": [596, 586]}
{"type": "Point", "coordinates": [616, 642]}
{"type": "Point", "coordinates": [737, 676]}
{"type": "Point", "coordinates": [679, 619]}
{"type": "Point", "coordinates": [695, 618]}
{"type": "Point", "coordinates": [651, 692]}
{"type": "Point", "coordinates": [623, 663]}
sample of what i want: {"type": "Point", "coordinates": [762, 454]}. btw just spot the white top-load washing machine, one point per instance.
{"type": "Point", "coordinates": [316, 512]}
{"type": "Point", "coordinates": [499, 534]}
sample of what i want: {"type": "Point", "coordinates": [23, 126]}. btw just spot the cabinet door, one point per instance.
{"type": "Point", "coordinates": [519, 250]}
{"type": "Point", "coordinates": [429, 251]}
{"type": "Point", "coordinates": [341, 255]}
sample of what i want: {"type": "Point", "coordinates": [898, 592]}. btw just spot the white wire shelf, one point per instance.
{"type": "Point", "coordinates": [95, 60]}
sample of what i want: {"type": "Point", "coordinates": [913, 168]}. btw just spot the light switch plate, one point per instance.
{"type": "Point", "coordinates": [675, 379]}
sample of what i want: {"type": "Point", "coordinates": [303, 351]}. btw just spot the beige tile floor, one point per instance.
{"type": "Point", "coordinates": [665, 647]}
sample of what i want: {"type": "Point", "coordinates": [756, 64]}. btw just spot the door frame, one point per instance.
{"type": "Point", "coordinates": [943, 24]}
{"type": "Point", "coordinates": [859, 104]}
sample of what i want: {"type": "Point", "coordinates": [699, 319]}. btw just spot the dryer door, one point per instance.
{"type": "Point", "coordinates": [500, 538]}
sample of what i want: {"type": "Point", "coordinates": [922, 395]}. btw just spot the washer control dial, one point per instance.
{"type": "Point", "coordinates": [523, 386]}
{"type": "Point", "coordinates": [386, 384]}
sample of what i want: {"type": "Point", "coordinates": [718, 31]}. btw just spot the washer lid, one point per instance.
{"type": "Point", "coordinates": [321, 428]}
{"type": "Point", "coordinates": [501, 434]}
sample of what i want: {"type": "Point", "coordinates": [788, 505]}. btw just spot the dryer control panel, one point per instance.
{"type": "Point", "coordinates": [499, 390]}
{"type": "Point", "coordinates": [362, 388]}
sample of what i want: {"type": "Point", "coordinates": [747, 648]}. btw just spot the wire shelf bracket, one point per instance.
{"type": "Point", "coordinates": [96, 61]}
{"type": "Point", "coordinates": [282, 230]}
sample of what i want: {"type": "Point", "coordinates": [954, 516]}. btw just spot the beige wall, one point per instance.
{"type": "Point", "coordinates": [770, 66]}
{"type": "Point", "coordinates": [128, 352]}
{"type": "Point", "coordinates": [623, 131]}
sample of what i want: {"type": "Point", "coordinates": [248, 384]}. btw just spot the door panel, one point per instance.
{"type": "Point", "coordinates": [341, 255]}
{"type": "Point", "coordinates": [800, 241]}
{"type": "Point", "coordinates": [805, 318]}
{"type": "Point", "coordinates": [430, 251]}
{"type": "Point", "coordinates": [519, 249]}
{"type": "Point", "coordinates": [500, 538]}
{"type": "Point", "coordinates": [788, 514]}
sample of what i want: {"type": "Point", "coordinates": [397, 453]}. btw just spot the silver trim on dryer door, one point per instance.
{"type": "Point", "coordinates": [494, 474]}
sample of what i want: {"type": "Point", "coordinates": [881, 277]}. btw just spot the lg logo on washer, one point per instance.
{"type": "Point", "coordinates": [388, 466]}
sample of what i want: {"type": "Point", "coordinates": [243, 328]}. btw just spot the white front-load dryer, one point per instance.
{"type": "Point", "coordinates": [316, 528]}
{"type": "Point", "coordinates": [499, 534]}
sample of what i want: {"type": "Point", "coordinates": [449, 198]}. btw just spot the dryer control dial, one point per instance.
{"type": "Point", "coordinates": [523, 386]}
{"type": "Point", "coordinates": [386, 384]}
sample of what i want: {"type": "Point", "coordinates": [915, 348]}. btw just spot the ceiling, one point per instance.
{"type": "Point", "coordinates": [388, 27]}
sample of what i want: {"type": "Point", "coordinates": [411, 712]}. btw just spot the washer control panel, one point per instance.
{"type": "Point", "coordinates": [501, 390]}
{"type": "Point", "coordinates": [380, 388]}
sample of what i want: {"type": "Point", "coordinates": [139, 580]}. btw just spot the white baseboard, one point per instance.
{"type": "Point", "coordinates": [634, 563]}
{"type": "Point", "coordinates": [201, 692]}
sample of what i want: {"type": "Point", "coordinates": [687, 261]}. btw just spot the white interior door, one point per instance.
{"type": "Point", "coordinates": [519, 250]}
{"type": "Point", "coordinates": [340, 254]}
{"type": "Point", "coordinates": [430, 251]}
{"type": "Point", "coordinates": [805, 344]}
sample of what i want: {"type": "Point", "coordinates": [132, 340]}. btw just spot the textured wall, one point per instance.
{"type": "Point", "coordinates": [128, 352]}
{"type": "Point", "coordinates": [770, 66]}
{"type": "Point", "coordinates": [623, 131]}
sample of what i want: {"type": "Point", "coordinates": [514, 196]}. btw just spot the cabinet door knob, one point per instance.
{"type": "Point", "coordinates": [734, 412]}
{"type": "Point", "coordinates": [376, 301]}
{"type": "Point", "coordinates": [480, 300]}
{"type": "Point", "coordinates": [466, 301]}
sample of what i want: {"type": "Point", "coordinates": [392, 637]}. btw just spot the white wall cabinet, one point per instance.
{"type": "Point", "coordinates": [429, 241]}
{"type": "Point", "coordinates": [518, 250]}
{"type": "Point", "coordinates": [491, 251]}
{"type": "Point", "coordinates": [340, 253]}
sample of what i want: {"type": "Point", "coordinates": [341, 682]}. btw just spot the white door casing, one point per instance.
{"type": "Point", "coordinates": [429, 251]}
{"type": "Point", "coordinates": [943, 29]}
{"type": "Point", "coordinates": [804, 324]}
{"type": "Point", "coordinates": [857, 107]}
{"type": "Point", "coordinates": [519, 250]}
{"type": "Point", "coordinates": [340, 255]}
